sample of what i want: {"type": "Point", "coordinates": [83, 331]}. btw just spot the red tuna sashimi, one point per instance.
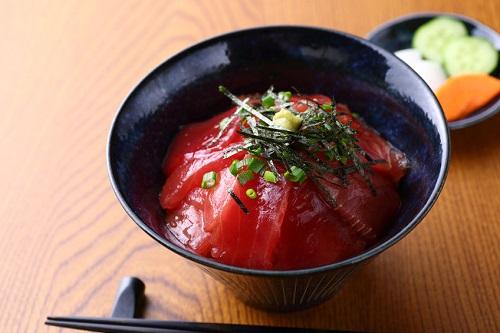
{"type": "Point", "coordinates": [395, 164]}
{"type": "Point", "coordinates": [302, 107]}
{"type": "Point", "coordinates": [312, 234]}
{"type": "Point", "coordinates": [379, 149]}
{"type": "Point", "coordinates": [248, 240]}
{"type": "Point", "coordinates": [194, 137]}
{"type": "Point", "coordinates": [189, 174]}
{"type": "Point", "coordinates": [186, 225]}
{"type": "Point", "coordinates": [224, 232]}
{"type": "Point", "coordinates": [363, 211]}
{"type": "Point", "coordinates": [289, 225]}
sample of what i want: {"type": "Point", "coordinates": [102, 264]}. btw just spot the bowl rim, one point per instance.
{"type": "Point", "coordinates": [476, 117]}
{"type": "Point", "coordinates": [438, 186]}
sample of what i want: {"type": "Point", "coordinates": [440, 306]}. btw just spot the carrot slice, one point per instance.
{"type": "Point", "coordinates": [461, 95]}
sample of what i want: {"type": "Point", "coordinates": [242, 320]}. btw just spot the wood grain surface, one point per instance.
{"type": "Point", "coordinates": [66, 243]}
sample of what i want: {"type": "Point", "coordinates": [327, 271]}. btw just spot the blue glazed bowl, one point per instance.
{"type": "Point", "coordinates": [398, 33]}
{"type": "Point", "coordinates": [183, 89]}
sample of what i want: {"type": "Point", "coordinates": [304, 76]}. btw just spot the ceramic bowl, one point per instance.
{"type": "Point", "coordinates": [183, 89]}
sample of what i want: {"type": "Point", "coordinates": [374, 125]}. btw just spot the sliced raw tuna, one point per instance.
{"type": "Point", "coordinates": [288, 225]}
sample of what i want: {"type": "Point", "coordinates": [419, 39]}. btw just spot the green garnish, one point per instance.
{"type": "Point", "coordinates": [270, 177]}
{"type": "Point", "coordinates": [267, 101]}
{"type": "Point", "coordinates": [209, 179]}
{"type": "Point", "coordinates": [257, 150]}
{"type": "Point", "coordinates": [245, 176]}
{"type": "Point", "coordinates": [301, 142]}
{"type": "Point", "coordinates": [330, 155]}
{"type": "Point", "coordinates": [243, 163]}
{"type": "Point", "coordinates": [233, 168]}
{"type": "Point", "coordinates": [256, 165]}
{"type": "Point", "coordinates": [251, 193]}
{"type": "Point", "coordinates": [285, 95]}
{"type": "Point", "coordinates": [327, 107]}
{"type": "Point", "coordinates": [295, 174]}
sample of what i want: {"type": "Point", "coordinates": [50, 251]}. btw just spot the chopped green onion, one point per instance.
{"type": "Point", "coordinates": [256, 151]}
{"type": "Point", "coordinates": [209, 179]}
{"type": "Point", "coordinates": [233, 168]}
{"type": "Point", "coordinates": [245, 176]}
{"type": "Point", "coordinates": [243, 163]}
{"type": "Point", "coordinates": [285, 95]}
{"type": "Point", "coordinates": [256, 164]}
{"type": "Point", "coordinates": [270, 177]}
{"type": "Point", "coordinates": [328, 127]}
{"type": "Point", "coordinates": [267, 101]}
{"type": "Point", "coordinates": [327, 107]}
{"type": "Point", "coordinates": [251, 193]}
{"type": "Point", "coordinates": [330, 155]}
{"type": "Point", "coordinates": [295, 174]}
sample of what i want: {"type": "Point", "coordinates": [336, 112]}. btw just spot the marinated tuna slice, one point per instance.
{"type": "Point", "coordinates": [280, 183]}
{"type": "Point", "coordinates": [313, 234]}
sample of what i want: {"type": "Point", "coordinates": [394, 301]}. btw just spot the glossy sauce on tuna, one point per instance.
{"type": "Point", "coordinates": [289, 225]}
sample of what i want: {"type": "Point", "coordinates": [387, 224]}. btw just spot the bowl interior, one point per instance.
{"type": "Point", "coordinates": [397, 34]}
{"type": "Point", "coordinates": [379, 87]}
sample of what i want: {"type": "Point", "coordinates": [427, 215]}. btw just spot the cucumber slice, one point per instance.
{"type": "Point", "coordinates": [468, 55]}
{"type": "Point", "coordinates": [431, 37]}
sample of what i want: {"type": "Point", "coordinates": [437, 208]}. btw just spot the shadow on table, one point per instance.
{"type": "Point", "coordinates": [362, 305]}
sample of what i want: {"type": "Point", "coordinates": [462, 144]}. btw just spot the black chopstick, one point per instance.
{"type": "Point", "coordinates": [110, 328]}
{"type": "Point", "coordinates": [125, 325]}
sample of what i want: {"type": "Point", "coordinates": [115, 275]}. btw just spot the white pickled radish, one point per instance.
{"type": "Point", "coordinates": [432, 72]}
{"type": "Point", "coordinates": [409, 55]}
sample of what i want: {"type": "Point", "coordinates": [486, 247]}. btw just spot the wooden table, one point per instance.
{"type": "Point", "coordinates": [66, 242]}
